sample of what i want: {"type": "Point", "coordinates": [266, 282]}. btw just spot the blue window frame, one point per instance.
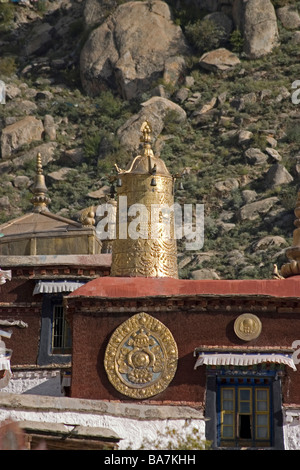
{"type": "Point", "coordinates": [244, 411]}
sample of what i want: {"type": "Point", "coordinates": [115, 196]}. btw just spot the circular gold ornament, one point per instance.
{"type": "Point", "coordinates": [141, 357]}
{"type": "Point", "coordinates": [247, 326]}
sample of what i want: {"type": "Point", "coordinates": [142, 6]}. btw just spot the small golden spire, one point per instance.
{"type": "Point", "coordinates": [146, 138]}
{"type": "Point", "coordinates": [40, 200]}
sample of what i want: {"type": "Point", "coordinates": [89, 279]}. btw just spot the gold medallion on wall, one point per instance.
{"type": "Point", "coordinates": [141, 357]}
{"type": "Point", "coordinates": [247, 326]}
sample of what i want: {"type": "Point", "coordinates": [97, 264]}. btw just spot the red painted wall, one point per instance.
{"type": "Point", "coordinates": [91, 333]}
{"type": "Point", "coordinates": [17, 303]}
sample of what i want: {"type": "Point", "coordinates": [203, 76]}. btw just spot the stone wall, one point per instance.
{"type": "Point", "coordinates": [35, 382]}
{"type": "Point", "coordinates": [291, 428]}
{"type": "Point", "coordinates": [133, 423]}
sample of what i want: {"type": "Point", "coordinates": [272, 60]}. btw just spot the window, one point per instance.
{"type": "Point", "coordinates": [61, 332]}
{"type": "Point", "coordinates": [244, 414]}
{"type": "Point", "coordinates": [55, 340]}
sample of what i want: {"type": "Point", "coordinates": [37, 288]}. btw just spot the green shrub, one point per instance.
{"type": "Point", "coordinates": [186, 13]}
{"type": "Point", "coordinates": [236, 41]}
{"type": "Point", "coordinates": [204, 35]}
{"type": "Point", "coordinates": [280, 3]}
{"type": "Point", "coordinates": [7, 66]}
{"type": "Point", "coordinates": [41, 6]}
{"type": "Point", "coordinates": [293, 132]}
{"type": "Point", "coordinates": [6, 15]}
{"type": "Point", "coordinates": [259, 140]}
{"type": "Point", "coordinates": [91, 145]}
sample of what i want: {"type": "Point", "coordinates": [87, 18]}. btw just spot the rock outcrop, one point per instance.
{"type": "Point", "coordinates": [277, 175]}
{"type": "Point", "coordinates": [155, 110]}
{"type": "Point", "coordinates": [289, 16]}
{"type": "Point", "coordinates": [253, 210]}
{"type": "Point", "coordinates": [220, 59]}
{"type": "Point", "coordinates": [260, 28]}
{"type": "Point", "coordinates": [132, 49]}
{"type": "Point", "coordinates": [21, 132]}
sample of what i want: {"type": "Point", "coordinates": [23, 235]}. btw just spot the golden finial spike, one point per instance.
{"type": "Point", "coordinates": [146, 131]}
{"type": "Point", "coordinates": [146, 138]}
{"type": "Point", "coordinates": [40, 200]}
{"type": "Point", "coordinates": [39, 168]}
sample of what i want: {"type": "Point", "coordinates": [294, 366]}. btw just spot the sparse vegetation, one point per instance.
{"type": "Point", "coordinates": [204, 35]}
{"type": "Point", "coordinates": [208, 144]}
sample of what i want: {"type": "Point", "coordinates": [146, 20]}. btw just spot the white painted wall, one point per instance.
{"type": "Point", "coordinates": [37, 396]}
{"type": "Point", "coordinates": [291, 428]}
{"type": "Point", "coordinates": [132, 423]}
{"type": "Point", "coordinates": [35, 382]}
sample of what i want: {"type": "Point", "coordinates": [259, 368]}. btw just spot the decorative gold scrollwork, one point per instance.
{"type": "Point", "coordinates": [141, 357]}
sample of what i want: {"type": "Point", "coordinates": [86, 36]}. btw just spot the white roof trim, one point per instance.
{"type": "Point", "coordinates": [50, 287]}
{"type": "Point", "coordinates": [222, 359]}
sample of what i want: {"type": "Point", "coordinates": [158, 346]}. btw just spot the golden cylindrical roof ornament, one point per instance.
{"type": "Point", "coordinates": [292, 268]}
{"type": "Point", "coordinates": [145, 243]}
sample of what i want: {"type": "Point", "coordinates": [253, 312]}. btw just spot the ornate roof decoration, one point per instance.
{"type": "Point", "coordinates": [145, 183]}
{"type": "Point", "coordinates": [40, 199]}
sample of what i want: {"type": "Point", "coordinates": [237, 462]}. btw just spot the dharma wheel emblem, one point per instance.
{"type": "Point", "coordinates": [141, 357]}
{"type": "Point", "coordinates": [247, 326]}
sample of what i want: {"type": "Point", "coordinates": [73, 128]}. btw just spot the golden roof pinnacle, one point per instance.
{"type": "Point", "coordinates": [146, 163]}
{"type": "Point", "coordinates": [146, 138]}
{"type": "Point", "coordinates": [40, 200]}
{"type": "Point", "coordinates": [147, 182]}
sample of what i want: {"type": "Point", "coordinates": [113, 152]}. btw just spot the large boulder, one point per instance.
{"type": "Point", "coordinates": [260, 28]}
{"type": "Point", "coordinates": [132, 49]}
{"type": "Point", "coordinates": [289, 16]}
{"type": "Point", "coordinates": [219, 60]}
{"type": "Point", "coordinates": [204, 273]}
{"type": "Point", "coordinates": [278, 175]}
{"type": "Point", "coordinates": [255, 209]}
{"type": "Point", "coordinates": [155, 110]}
{"type": "Point", "coordinates": [40, 39]}
{"type": "Point", "coordinates": [22, 132]}
{"type": "Point", "coordinates": [268, 242]}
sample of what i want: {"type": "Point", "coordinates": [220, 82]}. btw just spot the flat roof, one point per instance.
{"type": "Point", "coordinates": [139, 287]}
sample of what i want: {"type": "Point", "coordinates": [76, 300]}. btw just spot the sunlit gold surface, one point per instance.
{"type": "Point", "coordinates": [293, 253]}
{"type": "Point", "coordinates": [141, 357]}
{"type": "Point", "coordinates": [247, 326]}
{"type": "Point", "coordinates": [40, 199]}
{"type": "Point", "coordinates": [146, 256]}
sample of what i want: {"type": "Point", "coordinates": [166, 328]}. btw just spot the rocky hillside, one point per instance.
{"type": "Point", "coordinates": [214, 77]}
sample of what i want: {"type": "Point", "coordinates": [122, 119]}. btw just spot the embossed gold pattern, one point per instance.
{"type": "Point", "coordinates": [146, 181]}
{"type": "Point", "coordinates": [141, 357]}
{"type": "Point", "coordinates": [292, 268]}
{"type": "Point", "coordinates": [247, 326]}
{"type": "Point", "coordinates": [40, 199]}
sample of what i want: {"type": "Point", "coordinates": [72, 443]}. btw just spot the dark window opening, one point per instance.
{"type": "Point", "coordinates": [245, 427]}
{"type": "Point", "coordinates": [61, 332]}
